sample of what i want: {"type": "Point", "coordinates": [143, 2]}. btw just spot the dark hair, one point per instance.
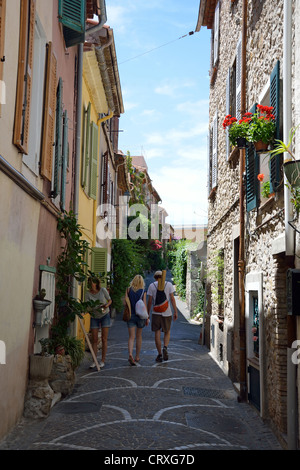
{"type": "Point", "coordinates": [95, 280]}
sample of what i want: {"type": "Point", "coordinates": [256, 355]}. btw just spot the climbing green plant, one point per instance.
{"type": "Point", "coordinates": [177, 261]}
{"type": "Point", "coordinates": [215, 275]}
{"type": "Point", "coordinates": [71, 265]}
{"type": "Point", "coordinates": [128, 260]}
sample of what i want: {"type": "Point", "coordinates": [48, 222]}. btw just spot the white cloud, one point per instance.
{"type": "Point", "coordinates": [184, 193]}
{"type": "Point", "coordinates": [171, 89]}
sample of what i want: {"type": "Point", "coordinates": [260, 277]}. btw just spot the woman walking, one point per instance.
{"type": "Point", "coordinates": [136, 324]}
{"type": "Point", "coordinates": [100, 318]}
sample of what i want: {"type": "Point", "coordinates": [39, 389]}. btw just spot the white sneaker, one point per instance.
{"type": "Point", "coordinates": [92, 366]}
{"type": "Point", "coordinates": [101, 364]}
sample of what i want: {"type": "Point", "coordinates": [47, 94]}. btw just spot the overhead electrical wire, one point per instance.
{"type": "Point", "coordinates": [158, 47]}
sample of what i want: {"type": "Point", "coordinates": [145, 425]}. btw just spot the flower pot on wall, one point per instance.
{"type": "Point", "coordinates": [292, 172]}
{"type": "Point", "coordinates": [241, 142]}
{"type": "Point", "coordinates": [261, 146]}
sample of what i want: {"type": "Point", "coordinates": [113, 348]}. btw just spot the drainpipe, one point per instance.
{"type": "Point", "coordinates": [241, 264]}
{"type": "Point", "coordinates": [102, 18]}
{"type": "Point", "coordinates": [102, 21]}
{"type": "Point", "coordinates": [78, 128]}
{"type": "Point", "coordinates": [292, 423]}
{"type": "Point", "coordinates": [287, 117]}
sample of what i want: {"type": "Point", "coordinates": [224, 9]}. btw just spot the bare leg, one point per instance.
{"type": "Point", "coordinates": [167, 338]}
{"type": "Point", "coordinates": [138, 345]}
{"type": "Point", "coordinates": [158, 341]}
{"type": "Point", "coordinates": [131, 332]}
{"type": "Point", "coordinates": [94, 338]}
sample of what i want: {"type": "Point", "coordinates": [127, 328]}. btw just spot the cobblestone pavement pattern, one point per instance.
{"type": "Point", "coordinates": [183, 404]}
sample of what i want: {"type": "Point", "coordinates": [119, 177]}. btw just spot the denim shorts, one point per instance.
{"type": "Point", "coordinates": [136, 321]}
{"type": "Point", "coordinates": [102, 322]}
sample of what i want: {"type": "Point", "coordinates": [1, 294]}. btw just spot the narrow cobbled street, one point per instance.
{"type": "Point", "coordinates": [180, 406]}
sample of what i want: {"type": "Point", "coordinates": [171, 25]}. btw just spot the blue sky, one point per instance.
{"type": "Point", "coordinates": [165, 88]}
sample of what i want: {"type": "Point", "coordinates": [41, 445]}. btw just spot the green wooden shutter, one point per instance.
{"type": "Point", "coordinates": [275, 162]}
{"type": "Point", "coordinates": [86, 150]}
{"type": "Point", "coordinates": [64, 162]}
{"type": "Point", "coordinates": [58, 141]}
{"type": "Point", "coordinates": [94, 161]}
{"type": "Point", "coordinates": [72, 15]}
{"type": "Point", "coordinates": [99, 263]}
{"type": "Point", "coordinates": [252, 169]}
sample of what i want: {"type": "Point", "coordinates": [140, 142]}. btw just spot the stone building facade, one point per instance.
{"type": "Point", "coordinates": [249, 242]}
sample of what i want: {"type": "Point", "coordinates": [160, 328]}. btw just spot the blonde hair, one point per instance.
{"type": "Point", "coordinates": [137, 283]}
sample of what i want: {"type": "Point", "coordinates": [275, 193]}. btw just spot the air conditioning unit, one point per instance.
{"type": "Point", "coordinates": [293, 291]}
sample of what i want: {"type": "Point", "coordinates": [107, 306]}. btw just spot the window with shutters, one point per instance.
{"type": "Point", "coordinates": [104, 178]}
{"type": "Point", "coordinates": [48, 134]}
{"type": "Point", "coordinates": [260, 163]}
{"type": "Point", "coordinates": [2, 52]}
{"type": "Point", "coordinates": [213, 156]}
{"type": "Point", "coordinates": [99, 263]}
{"type": "Point", "coordinates": [72, 16]}
{"type": "Point", "coordinates": [61, 150]}
{"type": "Point", "coordinates": [215, 43]}
{"type": "Point", "coordinates": [89, 161]}
{"type": "Point", "coordinates": [24, 79]}
{"type": "Point", "coordinates": [93, 161]}
{"type": "Point", "coordinates": [32, 157]}
{"type": "Point", "coordinates": [86, 147]}
{"type": "Point", "coordinates": [233, 97]}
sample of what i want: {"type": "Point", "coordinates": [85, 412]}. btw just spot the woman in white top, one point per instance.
{"type": "Point", "coordinates": [100, 317]}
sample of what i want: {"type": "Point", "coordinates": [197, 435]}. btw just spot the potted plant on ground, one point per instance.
{"type": "Point", "coordinates": [40, 365]}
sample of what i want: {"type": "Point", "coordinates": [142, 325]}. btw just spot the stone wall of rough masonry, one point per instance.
{"type": "Point", "coordinates": [262, 226]}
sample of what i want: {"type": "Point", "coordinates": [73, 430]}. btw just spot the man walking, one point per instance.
{"type": "Point", "coordinates": [161, 294]}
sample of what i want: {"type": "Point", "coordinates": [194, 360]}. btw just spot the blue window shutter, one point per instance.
{"type": "Point", "coordinates": [64, 162]}
{"type": "Point", "coordinates": [93, 161]}
{"type": "Point", "coordinates": [58, 141]}
{"type": "Point", "coordinates": [72, 15]}
{"type": "Point", "coordinates": [275, 162]}
{"type": "Point", "coordinates": [252, 169]}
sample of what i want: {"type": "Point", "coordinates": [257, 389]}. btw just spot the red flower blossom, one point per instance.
{"type": "Point", "coordinates": [260, 177]}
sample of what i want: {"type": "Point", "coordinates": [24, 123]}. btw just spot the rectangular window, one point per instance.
{"type": "Point", "coordinates": [49, 114]}
{"type": "Point", "coordinates": [260, 163]}
{"type": "Point", "coordinates": [72, 16]}
{"type": "Point", "coordinates": [86, 147]}
{"type": "Point", "coordinates": [99, 263]}
{"type": "Point", "coordinates": [32, 158]}
{"type": "Point", "coordinates": [214, 164]}
{"type": "Point", "coordinates": [93, 161]}
{"type": "Point", "coordinates": [216, 35]}
{"type": "Point", "coordinates": [24, 79]}
{"type": "Point", "coordinates": [56, 181]}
